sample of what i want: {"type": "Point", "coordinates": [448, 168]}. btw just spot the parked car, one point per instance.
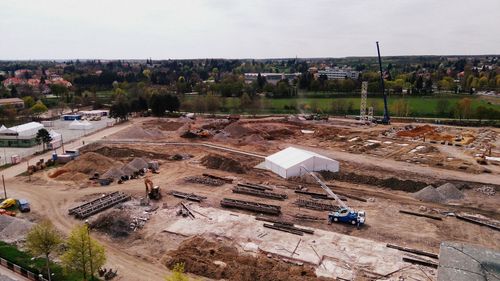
{"type": "Point", "coordinates": [23, 205]}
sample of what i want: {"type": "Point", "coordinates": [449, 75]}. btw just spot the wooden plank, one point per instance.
{"type": "Point", "coordinates": [420, 215]}
{"type": "Point", "coordinates": [273, 220]}
{"type": "Point", "coordinates": [260, 193]}
{"type": "Point", "coordinates": [420, 262]}
{"type": "Point", "coordinates": [478, 222]}
{"type": "Point", "coordinates": [300, 233]}
{"type": "Point", "coordinates": [413, 251]}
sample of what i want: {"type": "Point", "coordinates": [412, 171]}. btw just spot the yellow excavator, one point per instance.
{"type": "Point", "coordinates": [152, 191]}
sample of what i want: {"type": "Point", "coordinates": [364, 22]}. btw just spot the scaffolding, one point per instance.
{"type": "Point", "coordinates": [362, 108]}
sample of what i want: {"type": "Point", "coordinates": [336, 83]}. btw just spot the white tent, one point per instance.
{"type": "Point", "coordinates": [287, 163]}
{"type": "Point", "coordinates": [56, 140]}
{"type": "Point", "coordinates": [24, 130]}
{"type": "Point", "coordinates": [77, 125]}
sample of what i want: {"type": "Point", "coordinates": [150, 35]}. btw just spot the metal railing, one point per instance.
{"type": "Point", "coordinates": [21, 271]}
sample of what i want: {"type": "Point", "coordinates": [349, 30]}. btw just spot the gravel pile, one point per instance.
{"type": "Point", "coordinates": [429, 194]}
{"type": "Point", "coordinates": [450, 192]}
{"type": "Point", "coordinates": [114, 173]}
{"type": "Point", "coordinates": [13, 229]}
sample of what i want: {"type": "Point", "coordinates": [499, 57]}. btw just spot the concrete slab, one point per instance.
{"type": "Point", "coordinates": [333, 254]}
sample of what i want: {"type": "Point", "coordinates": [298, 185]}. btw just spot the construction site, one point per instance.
{"type": "Point", "coordinates": [276, 198]}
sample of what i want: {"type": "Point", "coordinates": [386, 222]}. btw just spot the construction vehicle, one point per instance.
{"type": "Point", "coordinates": [7, 203]}
{"type": "Point", "coordinates": [152, 191]}
{"type": "Point", "coordinates": [23, 205]}
{"type": "Point", "coordinates": [344, 214]}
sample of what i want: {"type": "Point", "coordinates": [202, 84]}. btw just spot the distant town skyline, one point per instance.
{"type": "Point", "coordinates": [93, 29]}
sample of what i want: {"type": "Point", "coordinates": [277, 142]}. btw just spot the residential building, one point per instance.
{"type": "Point", "coordinates": [20, 136]}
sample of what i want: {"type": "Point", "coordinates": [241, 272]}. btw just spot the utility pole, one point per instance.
{"type": "Point", "coordinates": [4, 190]}
{"type": "Point", "coordinates": [386, 119]}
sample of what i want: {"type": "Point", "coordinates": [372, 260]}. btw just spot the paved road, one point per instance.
{"type": "Point", "coordinates": [8, 275]}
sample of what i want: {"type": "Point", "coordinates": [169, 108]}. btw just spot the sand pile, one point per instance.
{"type": "Point", "coordinates": [115, 223]}
{"type": "Point", "coordinates": [219, 261]}
{"type": "Point", "coordinates": [73, 176]}
{"type": "Point", "coordinates": [137, 132]}
{"type": "Point", "coordinates": [219, 162]}
{"type": "Point", "coordinates": [13, 229]}
{"type": "Point", "coordinates": [450, 192]}
{"type": "Point", "coordinates": [429, 194]}
{"type": "Point", "coordinates": [90, 163]}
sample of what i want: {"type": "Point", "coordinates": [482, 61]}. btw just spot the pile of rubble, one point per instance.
{"type": "Point", "coordinates": [486, 190]}
{"type": "Point", "coordinates": [204, 180]}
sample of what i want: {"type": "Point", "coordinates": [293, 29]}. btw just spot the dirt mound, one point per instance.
{"type": "Point", "coordinates": [90, 163]}
{"type": "Point", "coordinates": [416, 132]}
{"type": "Point", "coordinates": [449, 191]}
{"type": "Point", "coordinates": [277, 133]}
{"type": "Point", "coordinates": [236, 130]}
{"type": "Point", "coordinates": [73, 176]}
{"type": "Point", "coordinates": [123, 152]}
{"type": "Point", "coordinates": [57, 173]}
{"type": "Point", "coordinates": [163, 125]}
{"type": "Point", "coordinates": [392, 183]}
{"type": "Point", "coordinates": [429, 194]}
{"type": "Point", "coordinates": [115, 223]}
{"type": "Point", "coordinates": [219, 162]}
{"type": "Point", "coordinates": [216, 260]}
{"type": "Point", "coordinates": [137, 132]}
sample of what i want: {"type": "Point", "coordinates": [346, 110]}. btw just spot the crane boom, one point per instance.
{"type": "Point", "coordinates": [326, 188]}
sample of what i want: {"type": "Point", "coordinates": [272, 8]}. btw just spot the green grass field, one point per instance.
{"type": "Point", "coordinates": [418, 106]}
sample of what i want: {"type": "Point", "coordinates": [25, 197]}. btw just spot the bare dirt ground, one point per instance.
{"type": "Point", "coordinates": [143, 254]}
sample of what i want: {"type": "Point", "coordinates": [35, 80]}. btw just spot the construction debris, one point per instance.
{"type": "Point", "coordinates": [486, 190]}
{"type": "Point", "coordinates": [260, 193]}
{"type": "Point", "coordinates": [204, 180]}
{"type": "Point", "coordinates": [218, 178]}
{"type": "Point", "coordinates": [93, 207]}
{"type": "Point", "coordinates": [313, 205]}
{"type": "Point", "coordinates": [187, 196]}
{"type": "Point", "coordinates": [251, 206]}
{"type": "Point", "coordinates": [420, 215]}
{"type": "Point", "coordinates": [478, 222]}
{"type": "Point", "coordinates": [413, 251]}
{"type": "Point", "coordinates": [307, 217]}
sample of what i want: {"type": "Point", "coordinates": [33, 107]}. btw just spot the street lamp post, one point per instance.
{"type": "Point", "coordinates": [90, 251]}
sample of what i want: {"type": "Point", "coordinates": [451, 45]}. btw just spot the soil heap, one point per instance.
{"type": "Point", "coordinates": [216, 260]}
{"type": "Point", "coordinates": [115, 223]}
{"type": "Point", "coordinates": [219, 162]}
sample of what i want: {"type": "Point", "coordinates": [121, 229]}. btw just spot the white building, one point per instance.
{"type": "Point", "coordinates": [290, 162]}
{"type": "Point", "coordinates": [339, 73]}
{"type": "Point", "coordinates": [271, 78]}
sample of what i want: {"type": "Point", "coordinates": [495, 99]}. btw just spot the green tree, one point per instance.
{"type": "Point", "coordinates": [178, 273]}
{"type": "Point", "coordinates": [159, 103]}
{"type": "Point", "coordinates": [83, 252]}
{"type": "Point", "coordinates": [43, 137]}
{"type": "Point", "coordinates": [38, 108]}
{"type": "Point", "coordinates": [442, 107]}
{"type": "Point", "coordinates": [43, 239]}
{"type": "Point", "coordinates": [245, 102]}
{"type": "Point", "coordinates": [119, 110]}
{"type": "Point", "coordinates": [28, 101]}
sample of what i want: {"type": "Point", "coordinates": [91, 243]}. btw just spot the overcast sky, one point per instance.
{"type": "Point", "coordinates": [163, 29]}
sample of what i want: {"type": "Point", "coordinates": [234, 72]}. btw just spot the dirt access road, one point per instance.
{"type": "Point", "coordinates": [48, 202]}
{"type": "Point", "coordinates": [396, 166]}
